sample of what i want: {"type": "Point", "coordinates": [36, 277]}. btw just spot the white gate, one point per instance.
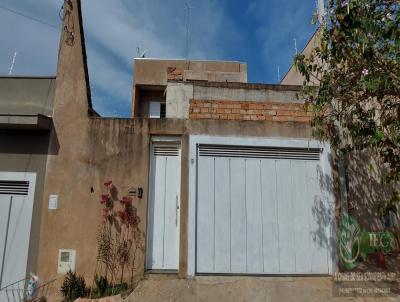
{"type": "Point", "coordinates": [164, 204]}
{"type": "Point", "coordinates": [262, 210]}
{"type": "Point", "coordinates": [16, 204]}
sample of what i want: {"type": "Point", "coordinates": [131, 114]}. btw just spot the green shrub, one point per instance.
{"type": "Point", "coordinates": [104, 288]}
{"type": "Point", "coordinates": [73, 287]}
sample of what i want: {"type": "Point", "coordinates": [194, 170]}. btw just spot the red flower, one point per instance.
{"type": "Point", "coordinates": [122, 215]}
{"type": "Point", "coordinates": [108, 183]}
{"type": "Point", "coordinates": [104, 198]}
{"type": "Point", "coordinates": [126, 200]}
{"type": "Point", "coordinates": [106, 214]}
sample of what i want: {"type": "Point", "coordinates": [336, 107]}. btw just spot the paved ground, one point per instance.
{"type": "Point", "coordinates": [159, 288]}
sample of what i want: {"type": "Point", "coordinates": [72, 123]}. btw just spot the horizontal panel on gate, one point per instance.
{"type": "Point", "coordinates": [12, 187]}
{"type": "Point", "coordinates": [259, 152]}
{"type": "Point", "coordinates": [166, 149]}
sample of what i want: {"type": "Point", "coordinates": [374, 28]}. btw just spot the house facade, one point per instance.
{"type": "Point", "coordinates": [225, 174]}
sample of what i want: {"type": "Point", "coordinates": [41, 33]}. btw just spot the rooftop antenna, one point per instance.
{"type": "Point", "coordinates": [279, 75]}
{"type": "Point", "coordinates": [321, 11]}
{"type": "Point", "coordinates": [12, 63]}
{"type": "Point", "coordinates": [188, 7]}
{"type": "Point", "coordinates": [295, 45]}
{"type": "Point", "coordinates": [141, 55]}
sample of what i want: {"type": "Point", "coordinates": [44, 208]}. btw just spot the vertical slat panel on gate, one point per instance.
{"type": "Point", "coordinates": [301, 216]}
{"type": "Point", "coordinates": [285, 217]}
{"type": "Point", "coordinates": [222, 216]}
{"type": "Point", "coordinates": [238, 216]}
{"type": "Point", "coordinates": [254, 220]}
{"type": "Point", "coordinates": [270, 217]}
{"type": "Point", "coordinates": [205, 216]}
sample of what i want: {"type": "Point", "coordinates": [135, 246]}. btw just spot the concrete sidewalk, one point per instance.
{"type": "Point", "coordinates": [159, 288]}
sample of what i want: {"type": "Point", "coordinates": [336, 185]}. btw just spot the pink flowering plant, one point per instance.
{"type": "Point", "coordinates": [119, 237]}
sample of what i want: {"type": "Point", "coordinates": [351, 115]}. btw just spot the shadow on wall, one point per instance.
{"type": "Point", "coordinates": [365, 191]}
{"type": "Point", "coordinates": [29, 142]}
{"type": "Point", "coordinates": [323, 212]}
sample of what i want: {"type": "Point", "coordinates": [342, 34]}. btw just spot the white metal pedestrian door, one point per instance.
{"type": "Point", "coordinates": [261, 210]}
{"type": "Point", "coordinates": [16, 204]}
{"type": "Point", "coordinates": [164, 204]}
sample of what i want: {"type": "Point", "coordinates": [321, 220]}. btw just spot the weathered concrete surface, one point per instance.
{"type": "Point", "coordinates": [153, 72]}
{"type": "Point", "coordinates": [26, 95]}
{"type": "Point", "coordinates": [256, 289]}
{"type": "Point", "coordinates": [177, 100]}
{"type": "Point", "coordinates": [245, 92]}
{"type": "Point", "coordinates": [179, 94]}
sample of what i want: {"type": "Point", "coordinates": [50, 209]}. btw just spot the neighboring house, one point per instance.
{"type": "Point", "coordinates": [26, 107]}
{"type": "Point", "coordinates": [232, 180]}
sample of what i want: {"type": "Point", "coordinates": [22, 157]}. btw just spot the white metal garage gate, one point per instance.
{"type": "Point", "coordinates": [261, 210]}
{"type": "Point", "coordinates": [16, 204]}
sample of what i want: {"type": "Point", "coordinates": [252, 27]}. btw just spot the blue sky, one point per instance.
{"type": "Point", "coordinates": [259, 32]}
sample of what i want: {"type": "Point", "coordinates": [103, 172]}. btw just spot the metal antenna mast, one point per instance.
{"type": "Point", "coordinates": [12, 63]}
{"type": "Point", "coordinates": [188, 7]}
{"type": "Point", "coordinates": [279, 75]}
{"type": "Point", "coordinates": [321, 11]}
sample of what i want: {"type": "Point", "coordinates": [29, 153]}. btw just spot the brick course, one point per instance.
{"type": "Point", "coordinates": [247, 110]}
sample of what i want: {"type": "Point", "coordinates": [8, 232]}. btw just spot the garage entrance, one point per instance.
{"type": "Point", "coordinates": [16, 204]}
{"type": "Point", "coordinates": [261, 210]}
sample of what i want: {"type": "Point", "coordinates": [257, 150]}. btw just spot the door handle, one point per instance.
{"type": "Point", "coordinates": [176, 209]}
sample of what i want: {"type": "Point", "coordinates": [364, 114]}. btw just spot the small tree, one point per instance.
{"type": "Point", "coordinates": [352, 81]}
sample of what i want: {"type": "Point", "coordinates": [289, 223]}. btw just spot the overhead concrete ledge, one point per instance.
{"type": "Point", "coordinates": [25, 122]}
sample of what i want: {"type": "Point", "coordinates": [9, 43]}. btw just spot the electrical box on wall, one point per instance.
{"type": "Point", "coordinates": [66, 261]}
{"type": "Point", "coordinates": [53, 202]}
{"type": "Point", "coordinates": [133, 191]}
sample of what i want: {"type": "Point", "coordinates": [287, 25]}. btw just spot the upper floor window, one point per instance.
{"type": "Point", "coordinates": [157, 110]}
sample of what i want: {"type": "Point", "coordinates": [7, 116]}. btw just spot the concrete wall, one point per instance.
{"type": "Point", "coordinates": [118, 150]}
{"type": "Point", "coordinates": [69, 225]}
{"type": "Point", "coordinates": [179, 95]}
{"type": "Point", "coordinates": [27, 95]}
{"type": "Point", "coordinates": [177, 100]}
{"type": "Point", "coordinates": [156, 72]}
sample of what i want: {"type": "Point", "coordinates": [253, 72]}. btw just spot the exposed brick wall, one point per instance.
{"type": "Point", "coordinates": [246, 110]}
{"type": "Point", "coordinates": [175, 74]}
